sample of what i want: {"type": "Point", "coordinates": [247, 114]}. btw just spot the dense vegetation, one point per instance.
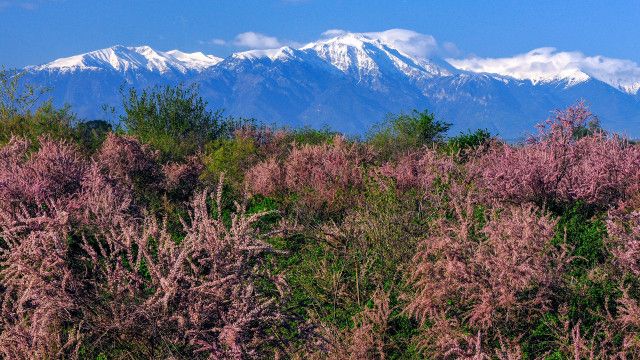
{"type": "Point", "coordinates": [188, 234]}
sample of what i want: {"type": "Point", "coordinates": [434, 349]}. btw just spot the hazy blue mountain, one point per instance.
{"type": "Point", "coordinates": [348, 82]}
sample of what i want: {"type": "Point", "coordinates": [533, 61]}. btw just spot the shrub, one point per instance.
{"type": "Point", "coordinates": [173, 120]}
{"type": "Point", "coordinates": [268, 142]}
{"type": "Point", "coordinates": [182, 179]}
{"type": "Point", "coordinates": [53, 172]}
{"type": "Point", "coordinates": [91, 134]}
{"type": "Point", "coordinates": [624, 240]}
{"type": "Point", "coordinates": [465, 144]}
{"type": "Point", "coordinates": [320, 174]}
{"type": "Point", "coordinates": [420, 170]}
{"type": "Point", "coordinates": [39, 292]}
{"type": "Point", "coordinates": [231, 157]}
{"type": "Point", "coordinates": [309, 136]}
{"type": "Point", "coordinates": [265, 178]}
{"type": "Point", "coordinates": [129, 161]}
{"type": "Point", "coordinates": [126, 286]}
{"type": "Point", "coordinates": [44, 121]}
{"type": "Point", "coordinates": [555, 167]}
{"type": "Point", "coordinates": [401, 133]}
{"type": "Point", "coordinates": [492, 279]}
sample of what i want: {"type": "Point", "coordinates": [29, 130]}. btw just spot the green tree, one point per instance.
{"type": "Point", "coordinates": [91, 134]}
{"type": "Point", "coordinates": [23, 113]}
{"type": "Point", "coordinates": [229, 156]}
{"type": "Point", "coordinates": [403, 132]}
{"type": "Point", "coordinates": [460, 145]}
{"type": "Point", "coordinates": [174, 120]}
{"type": "Point", "coordinates": [17, 98]}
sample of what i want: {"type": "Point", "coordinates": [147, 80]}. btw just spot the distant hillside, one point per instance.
{"type": "Point", "coordinates": [347, 82]}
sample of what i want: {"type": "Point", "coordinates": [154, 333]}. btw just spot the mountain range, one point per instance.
{"type": "Point", "coordinates": [348, 82]}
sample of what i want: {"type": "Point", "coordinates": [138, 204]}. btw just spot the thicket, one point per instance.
{"type": "Point", "coordinates": [187, 234]}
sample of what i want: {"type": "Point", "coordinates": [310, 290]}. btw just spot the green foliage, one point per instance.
{"type": "Point", "coordinates": [541, 338]}
{"type": "Point", "coordinates": [45, 120]}
{"type": "Point", "coordinates": [17, 98]}
{"type": "Point", "coordinates": [312, 136]}
{"type": "Point", "coordinates": [590, 128]}
{"type": "Point", "coordinates": [590, 290]}
{"type": "Point", "coordinates": [403, 132]}
{"type": "Point", "coordinates": [583, 231]}
{"type": "Point", "coordinates": [334, 273]}
{"type": "Point", "coordinates": [467, 141]}
{"type": "Point", "coordinates": [174, 120]}
{"type": "Point", "coordinates": [91, 134]}
{"type": "Point", "coordinates": [231, 157]}
{"type": "Point", "coordinates": [20, 117]}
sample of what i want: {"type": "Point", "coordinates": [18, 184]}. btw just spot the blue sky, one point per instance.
{"type": "Point", "coordinates": [37, 31]}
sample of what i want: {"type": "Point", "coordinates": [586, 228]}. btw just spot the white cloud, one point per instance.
{"type": "Point", "coordinates": [548, 63]}
{"type": "Point", "coordinates": [29, 5]}
{"type": "Point", "coordinates": [216, 41]}
{"type": "Point", "coordinates": [254, 40]}
{"type": "Point", "coordinates": [408, 41]}
{"type": "Point", "coordinates": [333, 33]}
{"type": "Point", "coordinates": [451, 49]}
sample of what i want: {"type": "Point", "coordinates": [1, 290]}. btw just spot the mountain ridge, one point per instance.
{"type": "Point", "coordinates": [348, 82]}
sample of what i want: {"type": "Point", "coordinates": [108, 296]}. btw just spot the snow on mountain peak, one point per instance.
{"type": "Point", "coordinates": [370, 54]}
{"type": "Point", "coordinates": [121, 58]}
{"type": "Point", "coordinates": [547, 65]}
{"type": "Point", "coordinates": [375, 55]}
{"type": "Point", "coordinates": [196, 60]}
{"type": "Point", "coordinates": [356, 40]}
{"type": "Point", "coordinates": [272, 54]}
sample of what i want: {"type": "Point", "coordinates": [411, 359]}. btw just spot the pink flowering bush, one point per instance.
{"type": "Point", "coordinates": [54, 171]}
{"type": "Point", "coordinates": [205, 294]}
{"type": "Point", "coordinates": [624, 240]}
{"type": "Point", "coordinates": [420, 170]}
{"type": "Point", "coordinates": [267, 141]}
{"type": "Point", "coordinates": [556, 166]}
{"type": "Point", "coordinates": [39, 290]}
{"type": "Point", "coordinates": [488, 275]}
{"type": "Point", "coordinates": [320, 174]}
{"type": "Point", "coordinates": [265, 178]}
{"type": "Point", "coordinates": [83, 268]}
{"type": "Point", "coordinates": [181, 179]}
{"type": "Point", "coordinates": [128, 283]}
{"type": "Point", "coordinates": [129, 161]}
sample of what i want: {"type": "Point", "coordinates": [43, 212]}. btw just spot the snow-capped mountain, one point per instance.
{"type": "Point", "coordinates": [545, 65]}
{"type": "Point", "coordinates": [122, 59]}
{"type": "Point", "coordinates": [352, 80]}
{"type": "Point", "coordinates": [366, 57]}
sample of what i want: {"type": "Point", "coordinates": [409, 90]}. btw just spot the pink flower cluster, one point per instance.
{"type": "Point", "coordinates": [419, 170]}
{"type": "Point", "coordinates": [318, 173]}
{"type": "Point", "coordinates": [556, 166]}
{"type": "Point", "coordinates": [483, 275]}
{"type": "Point", "coordinates": [81, 267]}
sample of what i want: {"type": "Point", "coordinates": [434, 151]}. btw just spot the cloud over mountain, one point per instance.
{"type": "Point", "coordinates": [546, 64]}
{"type": "Point", "coordinates": [350, 80]}
{"type": "Point", "coordinates": [408, 41]}
{"type": "Point", "coordinates": [256, 40]}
